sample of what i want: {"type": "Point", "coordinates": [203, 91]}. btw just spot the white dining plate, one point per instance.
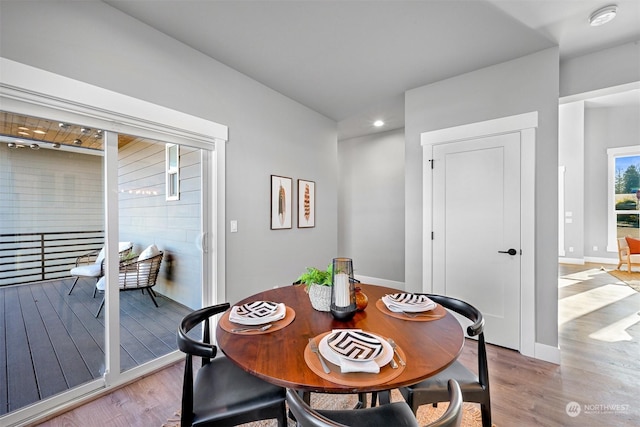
{"type": "Point", "coordinates": [381, 359]}
{"type": "Point", "coordinates": [408, 302]}
{"type": "Point", "coordinates": [408, 299]}
{"type": "Point", "coordinates": [257, 312]}
{"type": "Point", "coordinates": [257, 309]}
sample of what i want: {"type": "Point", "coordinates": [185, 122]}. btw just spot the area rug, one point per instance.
{"type": "Point", "coordinates": [630, 279]}
{"type": "Point", "coordinates": [427, 413]}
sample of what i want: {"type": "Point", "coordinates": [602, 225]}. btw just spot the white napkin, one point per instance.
{"type": "Point", "coordinates": [278, 314]}
{"type": "Point", "coordinates": [347, 365]}
{"type": "Point", "coordinates": [399, 307]}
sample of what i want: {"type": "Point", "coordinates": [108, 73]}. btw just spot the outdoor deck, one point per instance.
{"type": "Point", "coordinates": [51, 341]}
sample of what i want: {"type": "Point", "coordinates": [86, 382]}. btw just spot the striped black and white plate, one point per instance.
{"type": "Point", "coordinates": [355, 345]}
{"type": "Point", "coordinates": [257, 310]}
{"type": "Point", "coordinates": [408, 299]}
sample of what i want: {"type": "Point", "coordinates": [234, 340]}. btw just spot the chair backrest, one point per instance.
{"type": "Point", "coordinates": [623, 247]}
{"type": "Point", "coordinates": [140, 274]}
{"type": "Point", "coordinates": [475, 329]}
{"type": "Point", "coordinates": [452, 417]}
{"type": "Point", "coordinates": [193, 347]}
{"type": "Point", "coordinates": [308, 417]}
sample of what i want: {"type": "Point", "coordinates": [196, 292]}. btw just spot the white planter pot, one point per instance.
{"type": "Point", "coordinates": [320, 297]}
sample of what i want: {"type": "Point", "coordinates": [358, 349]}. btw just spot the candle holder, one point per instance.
{"type": "Point", "coordinates": [343, 292]}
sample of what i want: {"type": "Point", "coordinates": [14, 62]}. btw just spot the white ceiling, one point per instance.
{"type": "Point", "coordinates": [353, 60]}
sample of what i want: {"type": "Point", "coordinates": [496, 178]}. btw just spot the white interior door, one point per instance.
{"type": "Point", "coordinates": [476, 222]}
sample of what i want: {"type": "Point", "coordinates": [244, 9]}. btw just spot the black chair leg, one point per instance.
{"type": "Point", "coordinates": [100, 308]}
{"type": "Point", "coordinates": [152, 297]}
{"type": "Point", "coordinates": [486, 415]}
{"type": "Point", "coordinates": [74, 285]}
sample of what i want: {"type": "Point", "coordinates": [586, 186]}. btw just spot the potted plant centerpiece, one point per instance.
{"type": "Point", "coordinates": [318, 286]}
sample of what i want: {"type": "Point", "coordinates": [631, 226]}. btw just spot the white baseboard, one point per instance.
{"type": "Point", "coordinates": [381, 282]}
{"type": "Point", "coordinates": [547, 353]}
{"type": "Point", "coordinates": [582, 261]}
{"type": "Point", "coordinates": [611, 261]}
{"type": "Point", "coordinates": [577, 261]}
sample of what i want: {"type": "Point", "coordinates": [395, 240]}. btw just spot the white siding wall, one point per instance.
{"type": "Point", "coordinates": [48, 190]}
{"type": "Point", "coordinates": [173, 226]}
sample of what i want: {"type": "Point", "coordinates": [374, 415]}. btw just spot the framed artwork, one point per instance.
{"type": "Point", "coordinates": [281, 196]}
{"type": "Point", "coordinates": [306, 204]}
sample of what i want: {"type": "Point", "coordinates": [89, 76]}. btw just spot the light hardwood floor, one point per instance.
{"type": "Point", "coordinates": [599, 335]}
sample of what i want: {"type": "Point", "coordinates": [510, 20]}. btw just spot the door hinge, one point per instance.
{"type": "Point", "coordinates": [431, 161]}
{"type": "Point", "coordinates": [432, 235]}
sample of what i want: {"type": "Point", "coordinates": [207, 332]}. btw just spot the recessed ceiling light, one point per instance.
{"type": "Point", "coordinates": [378, 123]}
{"type": "Point", "coordinates": [77, 142]}
{"type": "Point", "coordinates": [23, 128]}
{"type": "Point", "coordinates": [11, 145]}
{"type": "Point", "coordinates": [24, 133]}
{"type": "Point", "coordinates": [602, 16]}
{"type": "Point", "coordinates": [39, 132]}
{"type": "Point", "coordinates": [34, 146]}
{"type": "Point", "coordinates": [56, 145]}
{"type": "Point", "coordinates": [63, 125]}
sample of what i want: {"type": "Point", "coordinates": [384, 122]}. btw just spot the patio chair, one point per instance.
{"type": "Point", "coordinates": [91, 264]}
{"type": "Point", "coordinates": [626, 254]}
{"type": "Point", "coordinates": [136, 274]}
{"type": "Point", "coordinates": [392, 414]}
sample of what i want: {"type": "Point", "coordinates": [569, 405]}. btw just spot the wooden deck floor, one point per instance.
{"type": "Point", "coordinates": [51, 341]}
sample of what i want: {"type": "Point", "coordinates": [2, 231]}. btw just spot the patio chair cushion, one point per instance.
{"type": "Point", "coordinates": [634, 245]}
{"type": "Point", "coordinates": [124, 281]}
{"type": "Point", "coordinates": [149, 252]}
{"type": "Point", "coordinates": [88, 270]}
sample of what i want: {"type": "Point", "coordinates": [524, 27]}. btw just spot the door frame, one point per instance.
{"type": "Point", "coordinates": [524, 124]}
{"type": "Point", "coordinates": [35, 92]}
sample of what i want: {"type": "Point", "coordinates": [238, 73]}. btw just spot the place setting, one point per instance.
{"type": "Point", "coordinates": [354, 357]}
{"type": "Point", "coordinates": [408, 306]}
{"type": "Point", "coordinates": [256, 317]}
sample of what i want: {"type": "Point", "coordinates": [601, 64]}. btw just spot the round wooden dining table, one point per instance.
{"type": "Point", "coordinates": [281, 354]}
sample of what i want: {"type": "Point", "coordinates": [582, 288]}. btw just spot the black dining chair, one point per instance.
{"type": "Point", "coordinates": [396, 414]}
{"type": "Point", "coordinates": [222, 394]}
{"type": "Point", "coordinates": [475, 388]}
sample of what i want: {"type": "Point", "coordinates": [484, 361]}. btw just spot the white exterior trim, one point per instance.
{"type": "Point", "coordinates": [525, 124]}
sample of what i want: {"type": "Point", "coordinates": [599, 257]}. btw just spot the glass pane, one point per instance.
{"type": "Point", "coordinates": [52, 213]}
{"type": "Point", "coordinates": [628, 225]}
{"type": "Point", "coordinates": [627, 182]}
{"type": "Point", "coordinates": [156, 226]}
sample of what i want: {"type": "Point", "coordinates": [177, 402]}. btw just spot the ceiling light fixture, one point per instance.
{"type": "Point", "coordinates": [378, 123]}
{"type": "Point", "coordinates": [77, 142]}
{"type": "Point", "coordinates": [602, 16]}
{"type": "Point", "coordinates": [56, 145]}
{"type": "Point", "coordinates": [34, 146]}
{"type": "Point", "coordinates": [85, 131]}
{"type": "Point", "coordinates": [63, 126]}
{"type": "Point", "coordinates": [11, 145]}
{"type": "Point", "coordinates": [40, 132]}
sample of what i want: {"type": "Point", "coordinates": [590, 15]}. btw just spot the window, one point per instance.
{"type": "Point", "coordinates": [173, 171]}
{"type": "Point", "coordinates": [624, 193]}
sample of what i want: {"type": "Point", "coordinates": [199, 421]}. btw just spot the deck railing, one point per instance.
{"type": "Point", "coordinates": [32, 257]}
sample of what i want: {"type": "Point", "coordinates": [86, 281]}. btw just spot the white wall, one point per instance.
{"type": "Point", "coordinates": [268, 132]}
{"type": "Point", "coordinates": [604, 128]}
{"type": "Point", "coordinates": [571, 156]}
{"type": "Point", "coordinates": [371, 204]}
{"type": "Point", "coordinates": [519, 86]}
{"type": "Point", "coordinates": [603, 69]}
